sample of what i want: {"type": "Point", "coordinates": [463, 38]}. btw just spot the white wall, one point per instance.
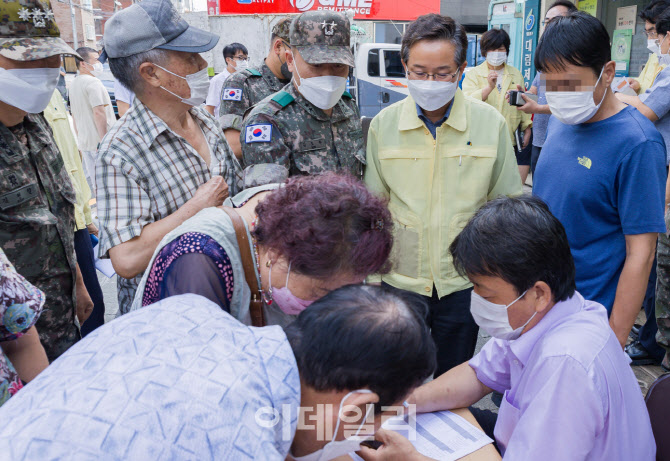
{"type": "Point", "coordinates": [252, 31]}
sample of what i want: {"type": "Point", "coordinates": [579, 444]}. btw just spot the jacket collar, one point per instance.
{"type": "Point", "coordinates": [409, 120]}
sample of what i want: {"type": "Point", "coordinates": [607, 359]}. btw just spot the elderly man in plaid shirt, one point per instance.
{"type": "Point", "coordinates": [166, 159]}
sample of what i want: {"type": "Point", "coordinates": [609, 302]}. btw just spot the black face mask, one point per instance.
{"type": "Point", "coordinates": [285, 72]}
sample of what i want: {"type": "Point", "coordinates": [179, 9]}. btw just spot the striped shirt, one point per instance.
{"type": "Point", "coordinates": [145, 172]}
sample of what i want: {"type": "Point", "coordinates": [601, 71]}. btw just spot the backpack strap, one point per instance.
{"type": "Point", "coordinates": [255, 303]}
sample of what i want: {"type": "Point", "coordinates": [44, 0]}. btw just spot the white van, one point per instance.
{"type": "Point", "coordinates": [379, 77]}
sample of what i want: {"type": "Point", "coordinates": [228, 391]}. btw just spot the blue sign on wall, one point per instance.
{"type": "Point", "coordinates": [530, 33]}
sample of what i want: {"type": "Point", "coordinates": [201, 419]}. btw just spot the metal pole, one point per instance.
{"type": "Point", "coordinates": [74, 26]}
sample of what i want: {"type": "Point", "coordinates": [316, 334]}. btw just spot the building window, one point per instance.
{"type": "Point", "coordinates": [90, 32]}
{"type": "Point", "coordinates": [392, 64]}
{"type": "Point", "coordinates": [87, 4]}
{"type": "Point", "coordinates": [389, 32]}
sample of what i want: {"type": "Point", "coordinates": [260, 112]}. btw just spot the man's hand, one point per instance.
{"type": "Point", "coordinates": [395, 448]}
{"type": "Point", "coordinates": [212, 193]}
{"type": "Point", "coordinates": [492, 79]}
{"type": "Point", "coordinates": [92, 229]}
{"type": "Point", "coordinates": [634, 84]}
{"type": "Point", "coordinates": [84, 301]}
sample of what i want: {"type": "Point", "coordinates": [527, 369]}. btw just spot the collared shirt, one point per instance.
{"type": "Point", "coordinates": [145, 172]}
{"type": "Point", "coordinates": [435, 185]}
{"type": "Point", "coordinates": [649, 73]}
{"type": "Point", "coordinates": [243, 90]}
{"type": "Point", "coordinates": [37, 225]}
{"type": "Point", "coordinates": [657, 98]}
{"type": "Point", "coordinates": [477, 79]}
{"type": "Point", "coordinates": [288, 130]}
{"type": "Point", "coordinates": [432, 127]}
{"type": "Point", "coordinates": [214, 93]}
{"type": "Point", "coordinates": [56, 115]}
{"type": "Point", "coordinates": [569, 391]}
{"type": "Point", "coordinates": [181, 379]}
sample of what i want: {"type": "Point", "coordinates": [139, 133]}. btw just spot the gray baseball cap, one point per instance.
{"type": "Point", "coordinates": [153, 24]}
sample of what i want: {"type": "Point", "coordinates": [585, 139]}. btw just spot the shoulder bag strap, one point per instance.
{"type": "Point", "coordinates": [256, 303]}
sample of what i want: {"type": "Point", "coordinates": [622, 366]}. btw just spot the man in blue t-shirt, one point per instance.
{"type": "Point", "coordinates": [602, 170]}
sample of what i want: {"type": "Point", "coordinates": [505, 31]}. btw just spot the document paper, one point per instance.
{"type": "Point", "coordinates": [442, 435]}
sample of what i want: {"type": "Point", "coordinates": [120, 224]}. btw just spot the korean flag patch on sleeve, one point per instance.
{"type": "Point", "coordinates": [232, 94]}
{"type": "Point", "coordinates": [258, 133]}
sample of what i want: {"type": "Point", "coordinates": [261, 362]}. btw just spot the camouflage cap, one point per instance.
{"type": "Point", "coordinates": [28, 31]}
{"type": "Point", "coordinates": [322, 37]}
{"type": "Point", "coordinates": [283, 29]}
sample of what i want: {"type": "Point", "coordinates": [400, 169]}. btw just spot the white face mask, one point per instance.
{"type": "Point", "coordinates": [495, 58]}
{"type": "Point", "coordinates": [241, 65]}
{"type": "Point", "coordinates": [652, 46]}
{"type": "Point", "coordinates": [324, 92]}
{"type": "Point", "coordinates": [574, 107]}
{"type": "Point", "coordinates": [663, 59]}
{"type": "Point", "coordinates": [431, 95]}
{"type": "Point", "coordinates": [28, 89]}
{"type": "Point", "coordinates": [493, 318]}
{"type": "Point", "coordinates": [198, 84]}
{"type": "Point", "coordinates": [337, 448]}
{"type": "Point", "coordinates": [97, 69]}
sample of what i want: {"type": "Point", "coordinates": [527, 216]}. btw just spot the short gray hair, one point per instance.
{"type": "Point", "coordinates": [433, 27]}
{"type": "Point", "coordinates": [127, 70]}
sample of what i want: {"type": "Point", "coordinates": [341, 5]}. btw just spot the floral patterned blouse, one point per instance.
{"type": "Point", "coordinates": [20, 307]}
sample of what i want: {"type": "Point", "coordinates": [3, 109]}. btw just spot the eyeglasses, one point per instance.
{"type": "Point", "coordinates": [437, 77]}
{"type": "Point", "coordinates": [241, 58]}
{"type": "Point", "coordinates": [651, 33]}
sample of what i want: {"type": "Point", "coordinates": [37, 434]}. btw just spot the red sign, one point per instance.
{"type": "Point", "coordinates": [402, 10]}
{"type": "Point", "coordinates": [211, 7]}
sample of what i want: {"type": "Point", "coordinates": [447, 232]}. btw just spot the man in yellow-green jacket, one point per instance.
{"type": "Point", "coordinates": [56, 116]}
{"type": "Point", "coordinates": [438, 156]}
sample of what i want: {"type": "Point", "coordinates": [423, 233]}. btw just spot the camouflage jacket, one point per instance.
{"type": "Point", "coordinates": [37, 225]}
{"type": "Point", "coordinates": [287, 129]}
{"type": "Point", "coordinates": [245, 89]}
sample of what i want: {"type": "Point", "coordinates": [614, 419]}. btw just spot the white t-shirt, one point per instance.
{"type": "Point", "coordinates": [87, 92]}
{"type": "Point", "coordinates": [215, 87]}
{"type": "Point", "coordinates": [121, 93]}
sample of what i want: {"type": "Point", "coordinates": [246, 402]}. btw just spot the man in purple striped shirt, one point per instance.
{"type": "Point", "coordinates": [569, 392]}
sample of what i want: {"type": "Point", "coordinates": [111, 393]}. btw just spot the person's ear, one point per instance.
{"type": "Point", "coordinates": [542, 296]}
{"type": "Point", "coordinates": [609, 72]}
{"type": "Point", "coordinates": [148, 73]}
{"type": "Point", "coordinates": [463, 66]}
{"type": "Point", "coordinates": [290, 60]}
{"type": "Point", "coordinates": [277, 46]}
{"type": "Point", "coordinates": [355, 409]}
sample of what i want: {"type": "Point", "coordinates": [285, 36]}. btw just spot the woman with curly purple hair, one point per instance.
{"type": "Point", "coordinates": [309, 236]}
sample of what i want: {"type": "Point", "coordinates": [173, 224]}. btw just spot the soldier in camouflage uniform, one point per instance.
{"type": "Point", "coordinates": [663, 294]}
{"type": "Point", "coordinates": [36, 196]}
{"type": "Point", "coordinates": [312, 125]}
{"type": "Point", "coordinates": [248, 87]}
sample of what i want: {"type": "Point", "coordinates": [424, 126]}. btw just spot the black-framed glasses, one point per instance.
{"type": "Point", "coordinates": [441, 77]}
{"type": "Point", "coordinates": [651, 33]}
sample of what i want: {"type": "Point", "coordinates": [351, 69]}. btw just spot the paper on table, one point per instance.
{"type": "Point", "coordinates": [442, 435]}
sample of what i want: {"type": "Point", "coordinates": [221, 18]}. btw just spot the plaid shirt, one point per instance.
{"type": "Point", "coordinates": [145, 172]}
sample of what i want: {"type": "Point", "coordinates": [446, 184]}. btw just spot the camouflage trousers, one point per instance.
{"type": "Point", "coordinates": [57, 326]}
{"type": "Point", "coordinates": [663, 296]}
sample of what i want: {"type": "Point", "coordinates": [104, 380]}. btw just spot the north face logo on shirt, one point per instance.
{"type": "Point", "coordinates": [585, 161]}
